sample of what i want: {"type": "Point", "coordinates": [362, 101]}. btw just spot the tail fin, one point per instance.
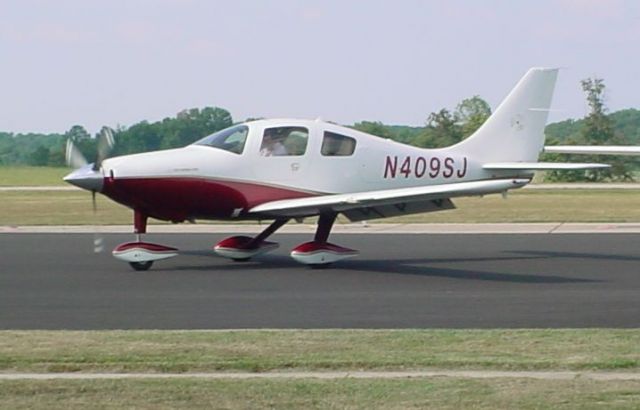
{"type": "Point", "coordinates": [515, 131]}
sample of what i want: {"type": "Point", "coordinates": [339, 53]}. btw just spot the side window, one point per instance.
{"type": "Point", "coordinates": [337, 145]}
{"type": "Point", "coordinates": [284, 141]}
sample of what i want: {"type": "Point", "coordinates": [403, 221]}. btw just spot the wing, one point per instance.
{"type": "Point", "coordinates": [593, 149]}
{"type": "Point", "coordinates": [540, 166]}
{"type": "Point", "coordinates": [432, 197]}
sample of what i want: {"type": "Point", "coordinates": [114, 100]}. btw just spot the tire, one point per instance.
{"type": "Point", "coordinates": [321, 265]}
{"type": "Point", "coordinates": [141, 266]}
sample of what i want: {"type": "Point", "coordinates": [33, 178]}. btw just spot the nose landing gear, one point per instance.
{"type": "Point", "coordinates": [141, 255]}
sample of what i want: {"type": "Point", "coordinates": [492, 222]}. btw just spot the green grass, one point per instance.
{"type": "Point", "coordinates": [540, 206]}
{"type": "Point", "coordinates": [59, 208]}
{"type": "Point", "coordinates": [256, 351]}
{"type": "Point", "coordinates": [318, 350]}
{"type": "Point", "coordinates": [32, 176]}
{"type": "Point", "coordinates": [74, 208]}
{"type": "Point", "coordinates": [442, 393]}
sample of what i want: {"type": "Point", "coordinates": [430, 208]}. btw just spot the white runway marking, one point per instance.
{"type": "Point", "coordinates": [464, 374]}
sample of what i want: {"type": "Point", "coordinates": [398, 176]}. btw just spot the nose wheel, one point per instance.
{"type": "Point", "coordinates": [141, 266]}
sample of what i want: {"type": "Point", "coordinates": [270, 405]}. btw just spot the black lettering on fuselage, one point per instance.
{"type": "Point", "coordinates": [390, 167]}
{"type": "Point", "coordinates": [420, 167]}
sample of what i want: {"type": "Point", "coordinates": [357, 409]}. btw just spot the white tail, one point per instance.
{"type": "Point", "coordinates": [515, 131]}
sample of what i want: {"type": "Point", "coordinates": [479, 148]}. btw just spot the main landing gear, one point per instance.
{"type": "Point", "coordinates": [243, 248]}
{"type": "Point", "coordinates": [317, 253]}
{"type": "Point", "coordinates": [320, 253]}
{"type": "Point", "coordinates": [141, 255]}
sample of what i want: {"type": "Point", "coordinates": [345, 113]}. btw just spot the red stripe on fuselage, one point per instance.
{"type": "Point", "coordinates": [179, 199]}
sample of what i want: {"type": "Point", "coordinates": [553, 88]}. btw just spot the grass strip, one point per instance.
{"type": "Point", "coordinates": [54, 207]}
{"type": "Point", "coordinates": [317, 350]}
{"type": "Point", "coordinates": [32, 176]}
{"type": "Point", "coordinates": [74, 208]}
{"type": "Point", "coordinates": [443, 393]}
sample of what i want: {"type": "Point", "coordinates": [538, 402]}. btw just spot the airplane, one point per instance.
{"type": "Point", "coordinates": [284, 169]}
{"type": "Point", "coordinates": [627, 150]}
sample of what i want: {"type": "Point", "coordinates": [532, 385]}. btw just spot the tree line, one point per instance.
{"type": "Point", "coordinates": [49, 149]}
{"type": "Point", "coordinates": [442, 128]}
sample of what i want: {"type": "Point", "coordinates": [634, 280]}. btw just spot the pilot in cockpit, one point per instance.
{"type": "Point", "coordinates": [272, 144]}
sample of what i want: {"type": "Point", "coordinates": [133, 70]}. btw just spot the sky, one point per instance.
{"type": "Point", "coordinates": [118, 62]}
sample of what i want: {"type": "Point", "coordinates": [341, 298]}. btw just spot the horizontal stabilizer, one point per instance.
{"type": "Point", "coordinates": [541, 166]}
{"type": "Point", "coordinates": [344, 202]}
{"type": "Point", "coordinates": [593, 149]}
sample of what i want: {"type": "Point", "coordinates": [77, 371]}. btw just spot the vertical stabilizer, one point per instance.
{"type": "Point", "coordinates": [515, 131]}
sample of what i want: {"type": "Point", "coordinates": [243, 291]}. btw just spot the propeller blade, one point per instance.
{"type": "Point", "coordinates": [98, 240]}
{"type": "Point", "coordinates": [74, 157]}
{"type": "Point", "coordinates": [105, 145]}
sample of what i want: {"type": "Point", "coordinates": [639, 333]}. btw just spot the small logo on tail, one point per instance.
{"type": "Point", "coordinates": [517, 122]}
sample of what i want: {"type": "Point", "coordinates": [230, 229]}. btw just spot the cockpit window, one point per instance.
{"type": "Point", "coordinates": [337, 145]}
{"type": "Point", "coordinates": [230, 139]}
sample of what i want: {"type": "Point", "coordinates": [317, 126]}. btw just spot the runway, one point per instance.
{"type": "Point", "coordinates": [55, 281]}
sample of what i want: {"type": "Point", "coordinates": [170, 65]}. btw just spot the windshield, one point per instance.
{"type": "Point", "coordinates": [230, 139]}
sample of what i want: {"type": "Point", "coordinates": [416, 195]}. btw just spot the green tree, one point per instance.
{"type": "Point", "coordinates": [188, 126]}
{"type": "Point", "coordinates": [39, 157]}
{"type": "Point", "coordinates": [597, 129]}
{"type": "Point", "coordinates": [471, 113]}
{"type": "Point", "coordinates": [77, 133]}
{"type": "Point", "coordinates": [82, 140]}
{"type": "Point", "coordinates": [442, 130]}
{"type": "Point", "coordinates": [140, 137]}
{"type": "Point", "coordinates": [445, 128]}
{"type": "Point", "coordinates": [374, 128]}
{"type": "Point", "coordinates": [7, 148]}
{"type": "Point", "coordinates": [192, 124]}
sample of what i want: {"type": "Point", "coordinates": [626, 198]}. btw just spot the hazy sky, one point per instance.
{"type": "Point", "coordinates": [66, 62]}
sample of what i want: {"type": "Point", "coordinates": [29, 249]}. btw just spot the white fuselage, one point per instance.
{"type": "Point", "coordinates": [375, 164]}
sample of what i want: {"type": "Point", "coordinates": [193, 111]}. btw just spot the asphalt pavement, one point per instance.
{"type": "Point", "coordinates": [55, 281]}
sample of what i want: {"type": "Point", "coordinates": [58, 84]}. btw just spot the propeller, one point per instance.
{"type": "Point", "coordinates": [74, 157]}
{"type": "Point", "coordinates": [90, 176]}
{"type": "Point", "coordinates": [105, 145]}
